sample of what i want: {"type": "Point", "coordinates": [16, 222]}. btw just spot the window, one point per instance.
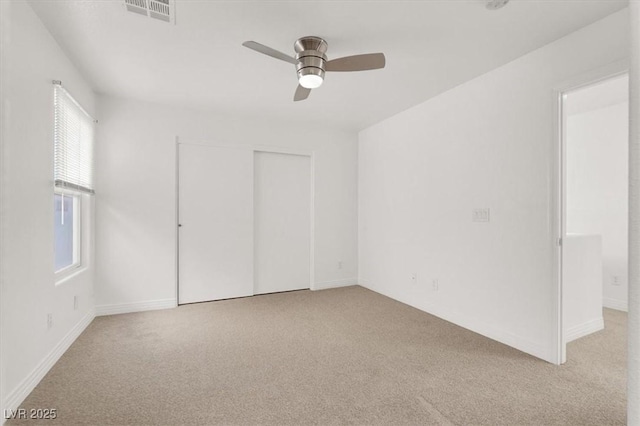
{"type": "Point", "coordinates": [67, 232]}
{"type": "Point", "coordinates": [73, 177]}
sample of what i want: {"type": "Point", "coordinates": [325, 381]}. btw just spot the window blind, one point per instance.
{"type": "Point", "coordinates": [73, 143]}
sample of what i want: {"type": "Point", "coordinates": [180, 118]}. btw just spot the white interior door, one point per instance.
{"type": "Point", "coordinates": [282, 222]}
{"type": "Point", "coordinates": [215, 202]}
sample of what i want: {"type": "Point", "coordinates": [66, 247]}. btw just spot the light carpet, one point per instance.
{"type": "Point", "coordinates": [339, 356]}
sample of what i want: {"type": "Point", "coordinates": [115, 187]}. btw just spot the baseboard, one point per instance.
{"type": "Point", "coordinates": [584, 329]}
{"type": "Point", "coordinates": [492, 332]}
{"type": "Point", "coordinates": [336, 283]}
{"type": "Point", "coordinates": [18, 395]}
{"type": "Point", "coordinates": [472, 324]}
{"type": "Point", "coordinates": [125, 308]}
{"type": "Point", "coordinates": [619, 305]}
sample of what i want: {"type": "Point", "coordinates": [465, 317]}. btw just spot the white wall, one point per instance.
{"type": "Point", "coordinates": [597, 189]}
{"type": "Point", "coordinates": [136, 209]}
{"type": "Point", "coordinates": [31, 59]}
{"type": "Point", "coordinates": [487, 143]}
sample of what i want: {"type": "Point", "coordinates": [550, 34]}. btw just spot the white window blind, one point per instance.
{"type": "Point", "coordinates": [73, 143]}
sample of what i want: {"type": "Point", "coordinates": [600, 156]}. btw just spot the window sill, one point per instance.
{"type": "Point", "coordinates": [64, 276]}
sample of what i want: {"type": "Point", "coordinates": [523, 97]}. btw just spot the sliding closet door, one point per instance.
{"type": "Point", "coordinates": [215, 203]}
{"type": "Point", "coordinates": [282, 222]}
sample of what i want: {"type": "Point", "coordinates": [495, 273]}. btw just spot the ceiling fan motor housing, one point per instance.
{"type": "Point", "coordinates": [311, 56]}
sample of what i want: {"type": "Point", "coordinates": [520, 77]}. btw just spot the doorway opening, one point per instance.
{"type": "Point", "coordinates": [594, 214]}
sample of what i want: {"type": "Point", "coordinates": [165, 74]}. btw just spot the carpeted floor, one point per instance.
{"type": "Point", "coordinates": [341, 356]}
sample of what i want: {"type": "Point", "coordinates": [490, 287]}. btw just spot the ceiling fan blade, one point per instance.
{"type": "Point", "coordinates": [301, 94]}
{"type": "Point", "coordinates": [269, 51]}
{"type": "Point", "coordinates": [370, 61]}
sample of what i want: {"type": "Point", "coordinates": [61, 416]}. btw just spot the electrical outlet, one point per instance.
{"type": "Point", "coordinates": [49, 321]}
{"type": "Point", "coordinates": [481, 215]}
{"type": "Point", "coordinates": [435, 285]}
{"type": "Point", "coordinates": [75, 303]}
{"type": "Point", "coordinates": [615, 280]}
{"type": "Point", "coordinates": [339, 264]}
{"type": "Point", "coordinates": [414, 278]}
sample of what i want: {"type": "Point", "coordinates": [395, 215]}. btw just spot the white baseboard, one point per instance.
{"type": "Point", "coordinates": [492, 332]}
{"type": "Point", "coordinates": [584, 329]}
{"type": "Point", "coordinates": [18, 395]}
{"type": "Point", "coordinates": [620, 305]}
{"type": "Point", "coordinates": [470, 323]}
{"type": "Point", "coordinates": [125, 308]}
{"type": "Point", "coordinates": [336, 283]}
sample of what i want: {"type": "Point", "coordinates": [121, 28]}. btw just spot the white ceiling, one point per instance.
{"type": "Point", "coordinates": [431, 46]}
{"type": "Point", "coordinates": [609, 92]}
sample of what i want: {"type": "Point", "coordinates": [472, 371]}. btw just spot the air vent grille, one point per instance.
{"type": "Point", "coordinates": [137, 6]}
{"type": "Point", "coordinates": [158, 9]}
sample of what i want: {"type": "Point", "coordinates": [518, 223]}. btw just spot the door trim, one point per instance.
{"type": "Point", "coordinates": [177, 219]}
{"type": "Point", "coordinates": [558, 190]}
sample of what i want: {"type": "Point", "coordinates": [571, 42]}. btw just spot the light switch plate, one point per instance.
{"type": "Point", "coordinates": [481, 215]}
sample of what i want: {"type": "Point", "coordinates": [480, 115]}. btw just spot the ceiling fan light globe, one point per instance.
{"type": "Point", "coordinates": [310, 81]}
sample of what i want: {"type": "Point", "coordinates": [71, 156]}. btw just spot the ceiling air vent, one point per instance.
{"type": "Point", "coordinates": [158, 9]}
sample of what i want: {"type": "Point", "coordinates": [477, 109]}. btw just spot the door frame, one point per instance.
{"type": "Point", "coordinates": [558, 190]}
{"type": "Point", "coordinates": [253, 149]}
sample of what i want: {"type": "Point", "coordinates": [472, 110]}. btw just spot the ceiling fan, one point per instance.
{"type": "Point", "coordinates": [311, 62]}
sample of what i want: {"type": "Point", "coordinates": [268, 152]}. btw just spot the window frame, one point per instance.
{"type": "Point", "coordinates": [78, 263]}
{"type": "Point", "coordinates": [73, 177]}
